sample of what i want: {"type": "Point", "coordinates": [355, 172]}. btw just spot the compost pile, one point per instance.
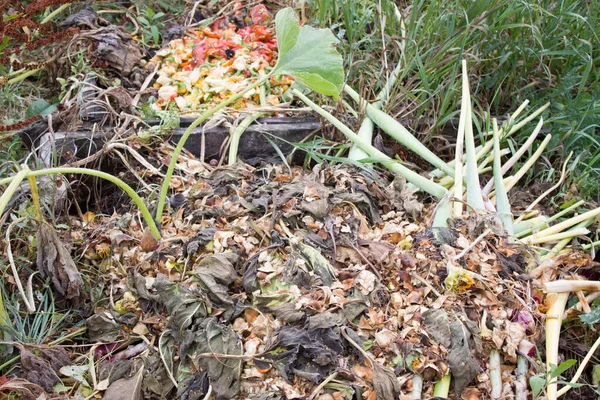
{"type": "Point", "coordinates": [210, 65]}
{"type": "Point", "coordinates": [271, 281]}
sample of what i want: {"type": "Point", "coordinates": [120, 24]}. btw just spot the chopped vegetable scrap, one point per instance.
{"type": "Point", "coordinates": [211, 64]}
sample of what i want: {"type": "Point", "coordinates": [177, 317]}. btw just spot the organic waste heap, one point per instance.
{"type": "Point", "coordinates": [210, 65]}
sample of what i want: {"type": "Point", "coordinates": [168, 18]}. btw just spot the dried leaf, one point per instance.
{"type": "Point", "coordinates": [405, 198]}
{"type": "Point", "coordinates": [148, 242]}
{"type": "Point", "coordinates": [102, 327]}
{"type": "Point", "coordinates": [27, 389]}
{"type": "Point", "coordinates": [126, 389]}
{"type": "Point", "coordinates": [54, 261]}
{"type": "Point", "coordinates": [318, 208]}
{"type": "Point", "coordinates": [437, 326]}
{"type": "Point", "coordinates": [385, 382]}
{"type": "Point", "coordinates": [319, 263]}
{"type": "Point", "coordinates": [463, 364]}
{"type": "Point", "coordinates": [215, 274]}
{"type": "Point", "coordinates": [311, 354]}
{"type": "Point", "coordinates": [41, 369]}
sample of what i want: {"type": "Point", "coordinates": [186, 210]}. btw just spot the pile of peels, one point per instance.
{"type": "Point", "coordinates": [211, 64]}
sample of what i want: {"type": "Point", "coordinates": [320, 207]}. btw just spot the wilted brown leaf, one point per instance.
{"type": "Point", "coordinates": [148, 242]}
{"type": "Point", "coordinates": [54, 261]}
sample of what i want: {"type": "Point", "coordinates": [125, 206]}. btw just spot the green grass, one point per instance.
{"type": "Point", "coordinates": [516, 50]}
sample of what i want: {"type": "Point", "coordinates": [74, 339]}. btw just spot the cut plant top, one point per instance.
{"type": "Point", "coordinates": [212, 64]}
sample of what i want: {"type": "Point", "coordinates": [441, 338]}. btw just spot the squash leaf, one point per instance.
{"type": "Point", "coordinates": [307, 54]}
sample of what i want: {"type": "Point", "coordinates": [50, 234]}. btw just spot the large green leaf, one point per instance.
{"type": "Point", "coordinates": [308, 54]}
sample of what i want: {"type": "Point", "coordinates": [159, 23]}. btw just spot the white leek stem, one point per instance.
{"type": "Point", "coordinates": [495, 374]}
{"type": "Point", "coordinates": [506, 167]}
{"type": "Point", "coordinates": [395, 129]}
{"type": "Point", "coordinates": [521, 381]}
{"type": "Point", "coordinates": [458, 157]}
{"type": "Point", "coordinates": [442, 387]}
{"type": "Point", "coordinates": [366, 127]}
{"type": "Point", "coordinates": [474, 197]}
{"type": "Point", "coordinates": [529, 162]}
{"type": "Point", "coordinates": [502, 203]}
{"type": "Point", "coordinates": [417, 387]}
{"type": "Point", "coordinates": [566, 286]}
{"type": "Point", "coordinates": [563, 175]}
{"type": "Point", "coordinates": [528, 230]}
{"type": "Point", "coordinates": [567, 224]}
{"type": "Point", "coordinates": [555, 251]}
{"type": "Point", "coordinates": [485, 149]}
{"type": "Point", "coordinates": [524, 228]}
{"type": "Point", "coordinates": [556, 303]}
{"type": "Point", "coordinates": [559, 236]}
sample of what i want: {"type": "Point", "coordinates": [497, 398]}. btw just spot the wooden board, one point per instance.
{"type": "Point", "coordinates": [253, 145]}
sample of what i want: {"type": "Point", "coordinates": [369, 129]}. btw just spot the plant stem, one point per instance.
{"type": "Point", "coordinates": [529, 163]}
{"type": "Point", "coordinates": [545, 222]}
{"type": "Point", "coordinates": [399, 132]}
{"type": "Point", "coordinates": [54, 171]}
{"type": "Point", "coordinates": [54, 13]}
{"type": "Point", "coordinates": [458, 158]}
{"type": "Point", "coordinates": [571, 233]}
{"type": "Point", "coordinates": [366, 128]}
{"type": "Point", "coordinates": [36, 197]}
{"type": "Point", "coordinates": [567, 286]}
{"type": "Point", "coordinates": [502, 203]}
{"type": "Point", "coordinates": [417, 387]}
{"type": "Point", "coordinates": [567, 224]}
{"type": "Point", "coordinates": [237, 133]}
{"type": "Point", "coordinates": [495, 374]}
{"type": "Point", "coordinates": [411, 176]}
{"type": "Point", "coordinates": [27, 298]}
{"type": "Point", "coordinates": [442, 387]}
{"type": "Point", "coordinates": [209, 113]}
{"type": "Point", "coordinates": [23, 76]}
{"type": "Point", "coordinates": [556, 303]}
{"type": "Point", "coordinates": [15, 182]}
{"type": "Point", "coordinates": [474, 197]}
{"type": "Point", "coordinates": [488, 188]}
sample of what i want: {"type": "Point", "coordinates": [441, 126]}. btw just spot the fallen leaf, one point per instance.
{"type": "Point", "coordinates": [463, 364]}
{"type": "Point", "coordinates": [148, 242]}
{"type": "Point", "coordinates": [126, 389]}
{"type": "Point", "coordinates": [41, 369]}
{"type": "Point", "coordinates": [54, 261]}
{"type": "Point", "coordinates": [385, 382]}
{"type": "Point", "coordinates": [437, 326]}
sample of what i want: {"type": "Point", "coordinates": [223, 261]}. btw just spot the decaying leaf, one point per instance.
{"type": "Point", "coordinates": [319, 263]}
{"type": "Point", "coordinates": [23, 387]}
{"type": "Point", "coordinates": [54, 261]}
{"type": "Point", "coordinates": [215, 274]}
{"type": "Point", "coordinates": [223, 374]}
{"type": "Point", "coordinates": [102, 327]}
{"type": "Point", "coordinates": [437, 326]}
{"type": "Point", "coordinates": [307, 353]}
{"type": "Point", "coordinates": [41, 368]}
{"type": "Point", "coordinates": [148, 242]}
{"type": "Point", "coordinates": [405, 197]}
{"type": "Point", "coordinates": [385, 382]}
{"type": "Point", "coordinates": [463, 364]}
{"type": "Point", "coordinates": [115, 47]}
{"type": "Point", "coordinates": [126, 389]}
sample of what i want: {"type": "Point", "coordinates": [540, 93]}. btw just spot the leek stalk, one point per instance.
{"type": "Point", "coordinates": [411, 176]}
